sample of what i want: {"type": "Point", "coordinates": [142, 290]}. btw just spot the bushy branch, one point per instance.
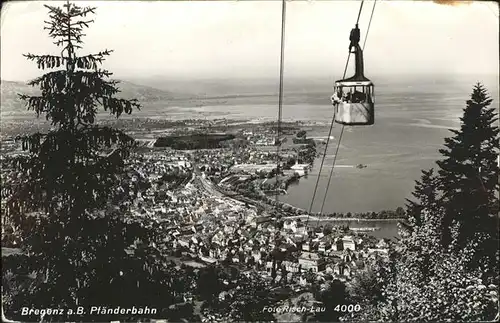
{"type": "Point", "coordinates": [46, 61]}
{"type": "Point", "coordinates": [92, 61]}
{"type": "Point", "coordinates": [76, 95]}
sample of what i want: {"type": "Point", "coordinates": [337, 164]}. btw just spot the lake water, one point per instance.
{"type": "Point", "coordinates": [412, 119]}
{"type": "Point", "coordinates": [413, 116]}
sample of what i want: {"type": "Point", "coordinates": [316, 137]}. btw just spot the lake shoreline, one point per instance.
{"type": "Point", "coordinates": [378, 228]}
{"type": "Point", "coordinates": [342, 219]}
{"type": "Point", "coordinates": [360, 219]}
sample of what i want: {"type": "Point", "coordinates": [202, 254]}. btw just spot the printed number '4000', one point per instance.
{"type": "Point", "coordinates": [348, 308]}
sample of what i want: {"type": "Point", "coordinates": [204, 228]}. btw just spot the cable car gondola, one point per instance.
{"type": "Point", "coordinates": [353, 97]}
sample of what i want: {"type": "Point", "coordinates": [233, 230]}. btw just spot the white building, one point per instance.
{"type": "Point", "coordinates": [349, 243]}
{"type": "Point", "coordinates": [309, 260]}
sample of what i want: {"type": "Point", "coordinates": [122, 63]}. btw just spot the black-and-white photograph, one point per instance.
{"type": "Point", "coordinates": [270, 161]}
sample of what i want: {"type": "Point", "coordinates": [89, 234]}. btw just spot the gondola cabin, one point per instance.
{"type": "Point", "coordinates": [354, 97]}
{"type": "Point", "coordinates": [354, 102]}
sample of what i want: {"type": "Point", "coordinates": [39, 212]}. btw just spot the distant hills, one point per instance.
{"type": "Point", "coordinates": [10, 103]}
{"type": "Point", "coordinates": [161, 96]}
{"type": "Point", "coordinates": [166, 97]}
{"type": "Point", "coordinates": [145, 93]}
{"type": "Point", "coordinates": [236, 87]}
{"type": "Point", "coordinates": [12, 107]}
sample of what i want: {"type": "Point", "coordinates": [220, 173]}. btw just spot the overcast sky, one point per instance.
{"type": "Point", "coordinates": [242, 38]}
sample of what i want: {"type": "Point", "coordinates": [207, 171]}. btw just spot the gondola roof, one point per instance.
{"type": "Point", "coordinates": [353, 82]}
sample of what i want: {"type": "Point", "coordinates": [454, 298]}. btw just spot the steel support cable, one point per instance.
{"type": "Point", "coordinates": [359, 13]}
{"type": "Point", "coordinates": [342, 130]}
{"type": "Point", "coordinates": [326, 147]}
{"type": "Point", "coordinates": [369, 24]}
{"type": "Point", "coordinates": [329, 134]}
{"type": "Point", "coordinates": [280, 100]}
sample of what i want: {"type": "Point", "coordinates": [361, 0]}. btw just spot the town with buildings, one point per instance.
{"type": "Point", "coordinates": [216, 207]}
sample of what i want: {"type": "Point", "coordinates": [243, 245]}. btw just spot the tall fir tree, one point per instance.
{"type": "Point", "coordinates": [444, 268]}
{"type": "Point", "coordinates": [77, 247]}
{"type": "Point", "coordinates": [427, 197]}
{"type": "Point", "coordinates": [469, 178]}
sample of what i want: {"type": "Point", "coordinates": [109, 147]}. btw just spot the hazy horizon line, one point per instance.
{"type": "Point", "coordinates": [269, 77]}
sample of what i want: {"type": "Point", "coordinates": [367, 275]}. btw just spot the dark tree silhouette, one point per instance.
{"type": "Point", "coordinates": [444, 266]}
{"type": "Point", "coordinates": [209, 285]}
{"type": "Point", "coordinates": [469, 175]}
{"type": "Point", "coordinates": [75, 246]}
{"type": "Point", "coordinates": [427, 196]}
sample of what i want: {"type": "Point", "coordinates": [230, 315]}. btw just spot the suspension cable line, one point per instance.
{"type": "Point", "coordinates": [329, 134]}
{"type": "Point", "coordinates": [331, 170]}
{"type": "Point", "coordinates": [369, 24]}
{"type": "Point", "coordinates": [280, 102]}
{"type": "Point", "coordinates": [359, 13]}
{"type": "Point", "coordinates": [342, 129]}
{"type": "Point", "coordinates": [326, 146]}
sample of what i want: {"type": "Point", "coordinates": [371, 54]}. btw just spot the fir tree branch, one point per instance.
{"type": "Point", "coordinates": [107, 136]}
{"type": "Point", "coordinates": [57, 12]}
{"type": "Point", "coordinates": [44, 103]}
{"type": "Point", "coordinates": [84, 23]}
{"type": "Point", "coordinates": [89, 89]}
{"type": "Point", "coordinates": [91, 61]}
{"type": "Point", "coordinates": [117, 107]}
{"type": "Point", "coordinates": [46, 61]}
{"type": "Point", "coordinates": [83, 12]}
